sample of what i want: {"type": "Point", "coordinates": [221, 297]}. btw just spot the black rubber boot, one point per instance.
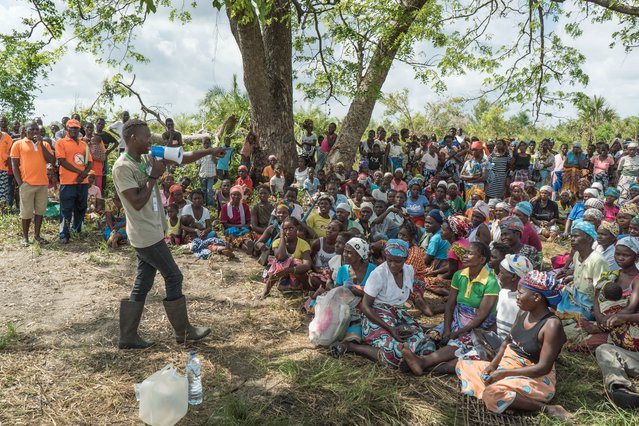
{"type": "Point", "coordinates": [179, 319]}
{"type": "Point", "coordinates": [130, 315]}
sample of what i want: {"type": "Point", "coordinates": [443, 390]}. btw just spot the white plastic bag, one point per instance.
{"type": "Point", "coordinates": [164, 397]}
{"type": "Point", "coordinates": [332, 317]}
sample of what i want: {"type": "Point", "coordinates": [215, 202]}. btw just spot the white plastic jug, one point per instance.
{"type": "Point", "coordinates": [164, 397]}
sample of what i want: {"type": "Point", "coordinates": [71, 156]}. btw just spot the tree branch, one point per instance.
{"type": "Point", "coordinates": [143, 107]}
{"type": "Point", "coordinates": [616, 6]}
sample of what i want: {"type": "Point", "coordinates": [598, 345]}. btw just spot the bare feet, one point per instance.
{"type": "Point", "coordinates": [559, 412]}
{"type": "Point", "coordinates": [411, 360]}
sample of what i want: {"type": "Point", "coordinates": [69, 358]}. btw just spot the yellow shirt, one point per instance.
{"type": "Point", "coordinates": [318, 223]}
{"type": "Point", "coordinates": [301, 248]}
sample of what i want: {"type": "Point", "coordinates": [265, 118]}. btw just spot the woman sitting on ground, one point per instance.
{"type": "Point", "coordinates": [261, 212]}
{"type": "Point", "coordinates": [512, 229]}
{"type": "Point", "coordinates": [386, 323]}
{"type": "Point", "coordinates": [322, 251]}
{"type": "Point", "coordinates": [196, 219]}
{"type": "Point", "coordinates": [177, 197]}
{"type": "Point", "coordinates": [454, 231]}
{"type": "Point", "coordinates": [354, 275]}
{"type": "Point", "coordinates": [479, 216]}
{"type": "Point", "coordinates": [235, 216]}
{"type": "Point", "coordinates": [292, 260]}
{"type": "Point", "coordinates": [471, 304]}
{"type": "Point", "coordinates": [576, 306]}
{"type": "Point", "coordinates": [522, 375]}
{"type": "Point", "coordinates": [613, 295]}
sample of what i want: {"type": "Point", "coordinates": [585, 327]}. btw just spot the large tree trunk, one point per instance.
{"type": "Point", "coordinates": [268, 77]}
{"type": "Point", "coordinates": [369, 88]}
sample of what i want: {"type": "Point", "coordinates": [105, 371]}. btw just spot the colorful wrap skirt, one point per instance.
{"type": "Point", "coordinates": [379, 337]}
{"type": "Point", "coordinates": [500, 395]}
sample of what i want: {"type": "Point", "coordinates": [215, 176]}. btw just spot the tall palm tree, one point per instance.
{"type": "Point", "coordinates": [226, 110]}
{"type": "Point", "coordinates": [592, 113]}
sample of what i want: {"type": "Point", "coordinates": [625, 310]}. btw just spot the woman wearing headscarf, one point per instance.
{"type": "Point", "coordinates": [474, 173]}
{"type": "Point", "coordinates": [579, 209]}
{"type": "Point", "coordinates": [610, 204]}
{"type": "Point", "coordinates": [292, 260]}
{"type": "Point", "coordinates": [576, 306]}
{"type": "Point", "coordinates": [613, 298]}
{"type": "Point", "coordinates": [522, 376]}
{"type": "Point", "coordinates": [529, 235]}
{"type": "Point", "coordinates": [626, 213]}
{"type": "Point", "coordinates": [479, 230]}
{"type": "Point", "coordinates": [628, 170]}
{"type": "Point", "coordinates": [544, 164]}
{"type": "Point", "coordinates": [618, 358]}
{"type": "Point", "coordinates": [517, 194]}
{"type": "Point", "coordinates": [354, 275]}
{"type": "Point", "coordinates": [235, 217]}
{"type": "Point", "coordinates": [386, 323]}
{"type": "Point", "coordinates": [502, 210]}
{"type": "Point", "coordinates": [574, 166]}
{"type": "Point", "coordinates": [606, 238]}
{"type": "Point", "coordinates": [545, 212]}
{"type": "Point", "coordinates": [512, 228]}
{"type": "Point", "coordinates": [471, 304]}
{"type": "Point", "coordinates": [176, 196]}
{"type": "Point", "coordinates": [593, 216]}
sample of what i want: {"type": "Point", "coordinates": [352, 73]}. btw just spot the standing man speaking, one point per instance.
{"type": "Point", "coordinates": [135, 176]}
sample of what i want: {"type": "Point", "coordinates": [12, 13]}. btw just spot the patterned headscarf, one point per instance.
{"type": "Point", "coordinates": [594, 214]}
{"type": "Point", "coordinates": [524, 207]}
{"type": "Point", "coordinates": [511, 223]}
{"type": "Point", "coordinates": [591, 191]}
{"type": "Point", "coordinates": [360, 246]}
{"type": "Point", "coordinates": [516, 264]}
{"type": "Point", "coordinates": [594, 203]}
{"type": "Point", "coordinates": [631, 242]}
{"type": "Point", "coordinates": [479, 192]}
{"type": "Point", "coordinates": [543, 283]}
{"type": "Point", "coordinates": [612, 191]}
{"type": "Point", "coordinates": [611, 227]}
{"type": "Point", "coordinates": [546, 188]}
{"type": "Point", "coordinates": [482, 208]}
{"type": "Point", "coordinates": [460, 225]}
{"type": "Point", "coordinates": [629, 209]}
{"type": "Point", "coordinates": [585, 227]}
{"type": "Point", "coordinates": [503, 205]}
{"type": "Point", "coordinates": [517, 185]}
{"type": "Point", "coordinates": [397, 248]}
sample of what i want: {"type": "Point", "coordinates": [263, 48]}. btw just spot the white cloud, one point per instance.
{"type": "Point", "coordinates": [186, 61]}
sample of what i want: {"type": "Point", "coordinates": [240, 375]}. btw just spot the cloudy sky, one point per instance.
{"type": "Point", "coordinates": [185, 61]}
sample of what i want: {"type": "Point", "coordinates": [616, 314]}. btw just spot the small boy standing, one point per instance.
{"type": "Point", "coordinates": [224, 162]}
{"type": "Point", "coordinates": [277, 182]}
{"type": "Point", "coordinates": [311, 183]}
{"type": "Point", "coordinates": [207, 173]}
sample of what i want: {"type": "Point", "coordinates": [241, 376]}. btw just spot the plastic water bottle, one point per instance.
{"type": "Point", "coordinates": [195, 379]}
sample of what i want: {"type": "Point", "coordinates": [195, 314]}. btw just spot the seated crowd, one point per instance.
{"type": "Point", "coordinates": [421, 227]}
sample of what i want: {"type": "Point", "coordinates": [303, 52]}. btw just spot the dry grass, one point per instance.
{"type": "Point", "coordinates": [61, 366]}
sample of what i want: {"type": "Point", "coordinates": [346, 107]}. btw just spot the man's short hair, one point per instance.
{"type": "Point", "coordinates": [130, 127]}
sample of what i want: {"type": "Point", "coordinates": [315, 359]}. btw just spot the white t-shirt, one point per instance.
{"type": "Point", "coordinates": [277, 184]}
{"type": "Point", "coordinates": [507, 310]}
{"type": "Point", "coordinates": [430, 161]}
{"type": "Point", "coordinates": [188, 211]}
{"type": "Point", "coordinates": [117, 126]}
{"type": "Point", "coordinates": [300, 177]}
{"type": "Point", "coordinates": [381, 285]}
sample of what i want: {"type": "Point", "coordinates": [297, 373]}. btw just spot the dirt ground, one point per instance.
{"type": "Point", "coordinates": [64, 367]}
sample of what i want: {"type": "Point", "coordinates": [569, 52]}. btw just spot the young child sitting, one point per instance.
{"type": "Point", "coordinates": [174, 228]}
{"type": "Point", "coordinates": [115, 228]}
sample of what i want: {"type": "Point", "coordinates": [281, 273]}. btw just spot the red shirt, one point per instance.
{"type": "Point", "coordinates": [245, 182]}
{"type": "Point", "coordinates": [235, 219]}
